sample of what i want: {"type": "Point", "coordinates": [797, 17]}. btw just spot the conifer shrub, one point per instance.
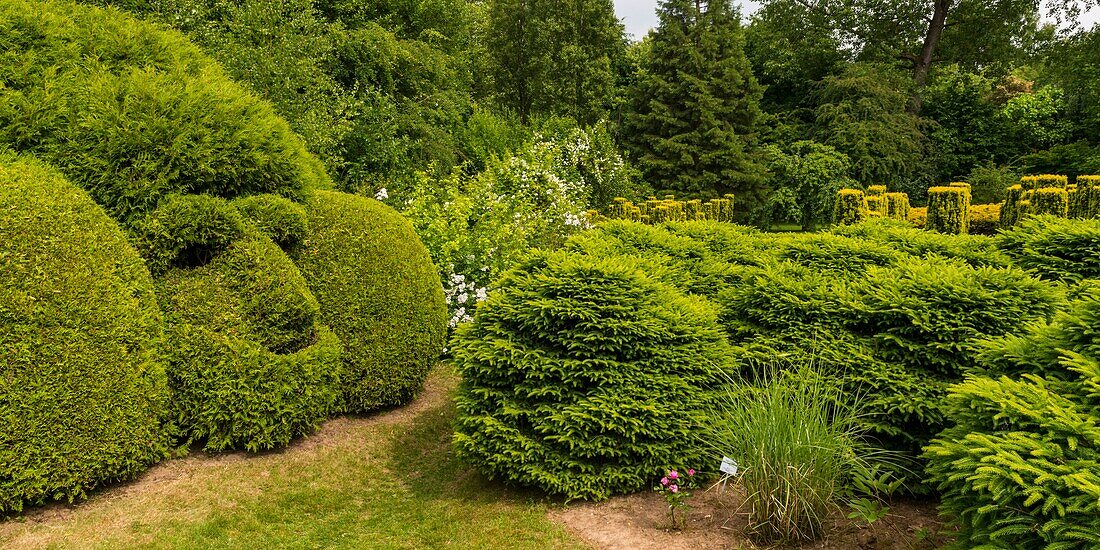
{"type": "Point", "coordinates": [985, 219]}
{"type": "Point", "coordinates": [851, 207]}
{"type": "Point", "coordinates": [918, 216]}
{"type": "Point", "coordinates": [1031, 183]}
{"type": "Point", "coordinates": [186, 230]}
{"type": "Point", "coordinates": [132, 113]}
{"type": "Point", "coordinates": [83, 393]}
{"type": "Point", "coordinates": [1048, 200]}
{"type": "Point", "coordinates": [584, 376]}
{"type": "Point", "coordinates": [281, 219]}
{"type": "Point", "coordinates": [378, 291]}
{"type": "Point", "coordinates": [949, 210]}
{"type": "Point", "coordinates": [897, 206]}
{"type": "Point", "coordinates": [1018, 469]}
{"type": "Point", "coordinates": [977, 251]}
{"type": "Point", "coordinates": [876, 190]}
{"type": "Point", "coordinates": [1010, 208]}
{"type": "Point", "coordinates": [1055, 248]}
{"type": "Point", "coordinates": [837, 254]}
{"type": "Point", "coordinates": [876, 205]}
{"type": "Point", "coordinates": [1085, 199]}
{"type": "Point", "coordinates": [669, 209]}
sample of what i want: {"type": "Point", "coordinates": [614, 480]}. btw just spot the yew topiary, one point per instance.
{"type": "Point", "coordinates": [83, 393]}
{"type": "Point", "coordinates": [949, 209]}
{"type": "Point", "coordinates": [584, 376]}
{"type": "Point", "coordinates": [380, 293]}
{"type": "Point", "coordinates": [851, 207]}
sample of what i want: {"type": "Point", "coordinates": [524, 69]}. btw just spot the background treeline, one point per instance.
{"type": "Point", "coordinates": [804, 98]}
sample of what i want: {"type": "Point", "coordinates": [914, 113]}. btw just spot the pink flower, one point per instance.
{"type": "Point", "coordinates": [674, 488]}
{"type": "Point", "coordinates": [664, 481]}
{"type": "Point", "coordinates": [691, 471]}
{"type": "Point", "coordinates": [673, 475]}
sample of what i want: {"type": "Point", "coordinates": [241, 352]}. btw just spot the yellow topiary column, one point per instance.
{"type": "Point", "coordinates": [949, 209]}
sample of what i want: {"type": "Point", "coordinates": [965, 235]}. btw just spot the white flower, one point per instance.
{"type": "Point", "coordinates": [481, 294]}
{"type": "Point", "coordinates": [382, 194]}
{"type": "Point", "coordinates": [462, 298]}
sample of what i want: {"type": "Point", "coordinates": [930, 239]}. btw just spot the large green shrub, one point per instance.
{"type": "Point", "coordinates": [250, 367]}
{"type": "Point", "coordinates": [1020, 467]}
{"type": "Point", "coordinates": [949, 209]}
{"type": "Point", "coordinates": [850, 207]}
{"type": "Point", "coordinates": [82, 385]}
{"type": "Point", "coordinates": [975, 250]}
{"type": "Point", "coordinates": [1055, 248]}
{"type": "Point", "coordinates": [282, 220]}
{"type": "Point", "coordinates": [132, 113]}
{"type": "Point", "coordinates": [380, 293]}
{"type": "Point", "coordinates": [186, 230]}
{"type": "Point", "coordinates": [584, 376]}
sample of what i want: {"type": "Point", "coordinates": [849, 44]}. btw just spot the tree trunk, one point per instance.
{"type": "Point", "coordinates": [923, 62]}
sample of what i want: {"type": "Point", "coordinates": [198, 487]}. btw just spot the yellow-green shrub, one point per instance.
{"type": "Point", "coordinates": [918, 216]}
{"type": "Point", "coordinates": [876, 190]}
{"type": "Point", "coordinates": [897, 206]}
{"type": "Point", "coordinates": [1010, 209]}
{"type": "Point", "coordinates": [949, 210]}
{"type": "Point", "coordinates": [657, 211]}
{"type": "Point", "coordinates": [1084, 201]}
{"type": "Point", "coordinates": [851, 207]}
{"type": "Point", "coordinates": [83, 393]}
{"type": "Point", "coordinates": [985, 219]}
{"type": "Point", "coordinates": [1031, 183]}
{"type": "Point", "coordinates": [1047, 200]}
{"type": "Point", "coordinates": [1055, 248]}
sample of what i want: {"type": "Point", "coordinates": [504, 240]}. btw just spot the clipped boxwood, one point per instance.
{"type": "Point", "coordinates": [250, 368]}
{"type": "Point", "coordinates": [131, 112]}
{"type": "Point", "coordinates": [584, 376]}
{"type": "Point", "coordinates": [82, 384]}
{"type": "Point", "coordinates": [1055, 248]}
{"type": "Point", "coordinates": [1019, 469]}
{"type": "Point", "coordinates": [380, 293]}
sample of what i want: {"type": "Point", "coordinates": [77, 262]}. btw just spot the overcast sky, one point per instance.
{"type": "Point", "coordinates": [641, 15]}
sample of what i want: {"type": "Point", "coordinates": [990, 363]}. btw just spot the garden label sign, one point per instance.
{"type": "Point", "coordinates": [728, 467]}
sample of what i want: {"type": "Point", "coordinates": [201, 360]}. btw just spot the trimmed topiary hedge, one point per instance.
{"type": "Point", "coordinates": [132, 113]}
{"type": "Point", "coordinates": [83, 392]}
{"type": "Point", "coordinates": [949, 209]}
{"type": "Point", "coordinates": [897, 206]}
{"type": "Point", "coordinates": [985, 219]}
{"type": "Point", "coordinates": [380, 293]}
{"type": "Point", "coordinates": [585, 377]}
{"type": "Point", "coordinates": [851, 207]}
{"type": "Point", "coordinates": [282, 220]}
{"type": "Point", "coordinates": [186, 230]}
{"type": "Point", "coordinates": [1019, 469]}
{"type": "Point", "coordinates": [1048, 200]}
{"type": "Point", "coordinates": [1055, 248]}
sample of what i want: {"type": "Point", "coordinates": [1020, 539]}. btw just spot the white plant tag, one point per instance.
{"type": "Point", "coordinates": [728, 467]}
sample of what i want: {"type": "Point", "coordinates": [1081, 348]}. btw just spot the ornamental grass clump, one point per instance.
{"type": "Point", "coordinates": [583, 376]}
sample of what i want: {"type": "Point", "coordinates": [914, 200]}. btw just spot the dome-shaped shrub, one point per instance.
{"type": "Point", "coordinates": [282, 220]}
{"type": "Point", "coordinates": [249, 367]}
{"type": "Point", "coordinates": [584, 376]}
{"type": "Point", "coordinates": [82, 383]}
{"type": "Point", "coordinates": [131, 112]}
{"type": "Point", "coordinates": [380, 293]}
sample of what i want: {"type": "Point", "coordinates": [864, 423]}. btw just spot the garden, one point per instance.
{"type": "Point", "coordinates": [317, 273]}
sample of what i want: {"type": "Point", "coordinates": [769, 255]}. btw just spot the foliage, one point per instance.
{"type": "Point", "coordinates": [985, 219]}
{"type": "Point", "coordinates": [1053, 201]}
{"type": "Point", "coordinates": [279, 218]}
{"type": "Point", "coordinates": [1019, 468]}
{"type": "Point", "coordinates": [584, 376]}
{"type": "Point", "coordinates": [186, 230]}
{"type": "Point", "coordinates": [81, 344]}
{"type": "Point", "coordinates": [668, 209]}
{"type": "Point", "coordinates": [850, 207]}
{"type": "Point", "coordinates": [132, 113]}
{"type": "Point", "coordinates": [1055, 248]}
{"type": "Point", "coordinates": [897, 206]}
{"type": "Point", "coordinates": [989, 182]}
{"type": "Point", "coordinates": [1084, 199]}
{"type": "Point", "coordinates": [1034, 119]}
{"type": "Point", "coordinates": [949, 209]}
{"type": "Point", "coordinates": [804, 180]}
{"type": "Point", "coordinates": [694, 108]}
{"type": "Point", "coordinates": [379, 292]}
{"type": "Point", "coordinates": [976, 251]}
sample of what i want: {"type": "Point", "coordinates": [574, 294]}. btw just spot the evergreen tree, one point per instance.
{"type": "Point", "coordinates": [555, 57]}
{"type": "Point", "coordinates": [696, 105]}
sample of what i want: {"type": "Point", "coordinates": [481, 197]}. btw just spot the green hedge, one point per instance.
{"type": "Point", "coordinates": [903, 237]}
{"type": "Point", "coordinates": [380, 293]}
{"type": "Point", "coordinates": [1055, 248]}
{"type": "Point", "coordinates": [851, 207]}
{"type": "Point", "coordinates": [585, 377]}
{"type": "Point", "coordinates": [949, 209]}
{"type": "Point", "coordinates": [1010, 209]}
{"type": "Point", "coordinates": [1048, 200]}
{"type": "Point", "coordinates": [132, 113]}
{"type": "Point", "coordinates": [282, 220]}
{"type": "Point", "coordinates": [1020, 467]}
{"type": "Point", "coordinates": [897, 206]}
{"type": "Point", "coordinates": [186, 230]}
{"type": "Point", "coordinates": [83, 392]}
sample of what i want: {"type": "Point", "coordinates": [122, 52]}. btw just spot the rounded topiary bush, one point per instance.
{"type": "Point", "coordinates": [584, 376]}
{"type": "Point", "coordinates": [250, 368]}
{"type": "Point", "coordinates": [380, 293]}
{"type": "Point", "coordinates": [281, 219]}
{"type": "Point", "coordinates": [186, 230]}
{"type": "Point", "coordinates": [82, 382]}
{"type": "Point", "coordinates": [131, 112]}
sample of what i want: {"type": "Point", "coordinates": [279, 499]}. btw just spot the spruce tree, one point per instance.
{"type": "Point", "coordinates": [695, 108]}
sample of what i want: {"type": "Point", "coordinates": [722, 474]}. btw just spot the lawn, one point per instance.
{"type": "Point", "coordinates": [382, 481]}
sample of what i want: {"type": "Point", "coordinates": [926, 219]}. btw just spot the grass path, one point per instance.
{"type": "Point", "coordinates": [383, 481]}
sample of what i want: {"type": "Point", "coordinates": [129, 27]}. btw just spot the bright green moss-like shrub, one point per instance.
{"type": "Point", "coordinates": [1055, 248]}
{"type": "Point", "coordinates": [186, 230]}
{"type": "Point", "coordinates": [585, 377]}
{"type": "Point", "coordinates": [949, 210]}
{"type": "Point", "coordinates": [131, 113]}
{"type": "Point", "coordinates": [1019, 469]}
{"type": "Point", "coordinates": [1048, 200]}
{"type": "Point", "coordinates": [851, 207]}
{"type": "Point", "coordinates": [82, 384]}
{"type": "Point", "coordinates": [378, 291]}
{"type": "Point", "coordinates": [282, 220]}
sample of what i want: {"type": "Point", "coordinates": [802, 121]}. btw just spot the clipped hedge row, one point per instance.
{"type": "Point", "coordinates": [851, 207]}
{"type": "Point", "coordinates": [585, 377]}
{"type": "Point", "coordinates": [83, 392]}
{"type": "Point", "coordinates": [949, 209]}
{"type": "Point", "coordinates": [1019, 469]}
{"type": "Point", "coordinates": [655, 211]}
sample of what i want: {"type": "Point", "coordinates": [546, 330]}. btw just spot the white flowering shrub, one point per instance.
{"type": "Point", "coordinates": [477, 226]}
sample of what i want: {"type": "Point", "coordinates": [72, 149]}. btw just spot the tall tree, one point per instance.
{"type": "Point", "coordinates": [696, 105]}
{"type": "Point", "coordinates": [555, 57]}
